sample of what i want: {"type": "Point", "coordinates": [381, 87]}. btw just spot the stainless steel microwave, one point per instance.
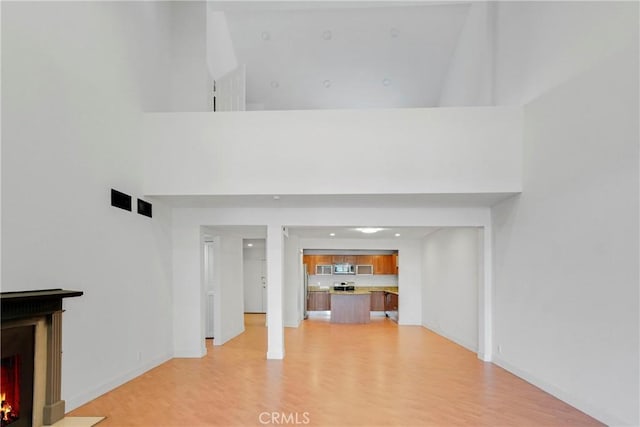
{"type": "Point", "coordinates": [344, 269]}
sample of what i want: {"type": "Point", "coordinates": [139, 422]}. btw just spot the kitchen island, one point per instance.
{"type": "Point", "coordinates": [350, 306]}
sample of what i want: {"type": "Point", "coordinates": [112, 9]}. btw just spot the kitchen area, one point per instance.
{"type": "Point", "coordinates": [351, 286]}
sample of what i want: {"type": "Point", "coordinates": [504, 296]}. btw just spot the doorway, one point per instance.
{"type": "Point", "coordinates": [209, 286]}
{"type": "Point", "coordinates": [254, 275]}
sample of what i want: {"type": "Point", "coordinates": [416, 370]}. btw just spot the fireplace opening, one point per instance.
{"type": "Point", "coordinates": [10, 389]}
{"type": "Point", "coordinates": [16, 376]}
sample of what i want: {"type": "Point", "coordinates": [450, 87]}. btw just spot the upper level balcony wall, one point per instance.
{"type": "Point", "coordinates": [394, 151]}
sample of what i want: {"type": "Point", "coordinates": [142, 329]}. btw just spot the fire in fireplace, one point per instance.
{"type": "Point", "coordinates": [10, 389]}
{"type": "Point", "coordinates": [16, 376]}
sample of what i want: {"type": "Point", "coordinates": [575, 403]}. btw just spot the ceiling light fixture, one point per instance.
{"type": "Point", "coordinates": [369, 230]}
{"type": "Point", "coordinates": [326, 83]}
{"type": "Point", "coordinates": [332, 234]}
{"type": "Point", "coordinates": [250, 245]}
{"type": "Point", "coordinates": [397, 234]}
{"type": "Point", "coordinates": [276, 197]}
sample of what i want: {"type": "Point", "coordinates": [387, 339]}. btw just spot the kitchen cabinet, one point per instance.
{"type": "Point", "coordinates": [313, 260]}
{"type": "Point", "coordinates": [377, 300]}
{"type": "Point", "coordinates": [323, 259]}
{"type": "Point", "coordinates": [391, 305]}
{"type": "Point", "coordinates": [319, 301]}
{"type": "Point", "coordinates": [343, 259]}
{"type": "Point", "coordinates": [383, 264]}
{"type": "Point", "coordinates": [306, 260]}
{"type": "Point", "coordinates": [364, 259]}
{"type": "Point", "coordinates": [350, 307]}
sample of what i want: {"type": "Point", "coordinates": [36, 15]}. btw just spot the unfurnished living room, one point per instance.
{"type": "Point", "coordinates": [406, 213]}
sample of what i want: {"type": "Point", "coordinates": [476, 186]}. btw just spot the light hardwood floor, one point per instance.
{"type": "Point", "coordinates": [376, 374]}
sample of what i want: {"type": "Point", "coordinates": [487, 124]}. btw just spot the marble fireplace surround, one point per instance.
{"type": "Point", "coordinates": [43, 310]}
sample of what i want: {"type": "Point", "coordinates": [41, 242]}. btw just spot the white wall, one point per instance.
{"type": "Point", "coordinates": [189, 314]}
{"type": "Point", "coordinates": [191, 84]}
{"type": "Point", "coordinates": [543, 44]}
{"type": "Point", "coordinates": [187, 261]}
{"type": "Point", "coordinates": [293, 286]}
{"type": "Point", "coordinates": [469, 80]}
{"type": "Point", "coordinates": [230, 302]}
{"type": "Point", "coordinates": [451, 275]}
{"type": "Point", "coordinates": [71, 109]}
{"type": "Point", "coordinates": [458, 150]}
{"type": "Point", "coordinates": [221, 56]}
{"type": "Point", "coordinates": [566, 250]}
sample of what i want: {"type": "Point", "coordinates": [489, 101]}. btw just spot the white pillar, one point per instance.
{"type": "Point", "coordinates": [485, 295]}
{"type": "Point", "coordinates": [275, 300]}
{"type": "Point", "coordinates": [188, 317]}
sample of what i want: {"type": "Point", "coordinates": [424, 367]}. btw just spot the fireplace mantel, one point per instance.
{"type": "Point", "coordinates": [23, 304]}
{"type": "Point", "coordinates": [43, 310]}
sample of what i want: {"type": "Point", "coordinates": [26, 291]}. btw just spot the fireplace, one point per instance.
{"type": "Point", "coordinates": [30, 357]}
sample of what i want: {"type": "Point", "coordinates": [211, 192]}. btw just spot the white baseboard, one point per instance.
{"type": "Point", "coordinates": [230, 335]}
{"type": "Point", "coordinates": [189, 353]}
{"type": "Point", "coordinates": [588, 408]}
{"type": "Point", "coordinates": [275, 355]}
{"type": "Point", "coordinates": [451, 338]}
{"type": "Point", "coordinates": [484, 357]}
{"type": "Point", "coordinates": [82, 398]}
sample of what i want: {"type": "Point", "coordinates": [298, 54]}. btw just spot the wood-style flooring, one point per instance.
{"type": "Point", "coordinates": [376, 374]}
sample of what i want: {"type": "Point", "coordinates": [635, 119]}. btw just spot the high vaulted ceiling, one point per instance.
{"type": "Point", "coordinates": [333, 55]}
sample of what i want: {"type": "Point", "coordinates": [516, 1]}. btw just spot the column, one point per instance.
{"type": "Point", "coordinates": [275, 300]}
{"type": "Point", "coordinates": [54, 407]}
{"type": "Point", "coordinates": [485, 294]}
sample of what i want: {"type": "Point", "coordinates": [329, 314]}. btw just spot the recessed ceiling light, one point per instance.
{"type": "Point", "coordinates": [250, 245]}
{"type": "Point", "coordinates": [369, 230]}
{"type": "Point", "coordinates": [332, 234]}
{"type": "Point", "coordinates": [394, 32]}
{"type": "Point", "coordinates": [275, 84]}
{"type": "Point", "coordinates": [397, 234]}
{"type": "Point", "coordinates": [326, 35]}
{"type": "Point", "coordinates": [326, 83]}
{"type": "Point", "coordinates": [276, 197]}
{"type": "Point", "coordinates": [265, 36]}
{"type": "Point", "coordinates": [386, 82]}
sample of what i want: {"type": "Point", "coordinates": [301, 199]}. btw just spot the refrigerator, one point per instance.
{"type": "Point", "coordinates": [305, 291]}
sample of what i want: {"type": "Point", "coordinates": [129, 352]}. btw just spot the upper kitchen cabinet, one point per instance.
{"type": "Point", "coordinates": [384, 264]}
{"type": "Point", "coordinates": [307, 260]}
{"type": "Point", "coordinates": [312, 261]}
{"type": "Point", "coordinates": [343, 259]}
{"type": "Point", "coordinates": [364, 260]}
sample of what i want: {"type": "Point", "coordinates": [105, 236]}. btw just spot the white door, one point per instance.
{"type": "Point", "coordinates": [255, 286]}
{"type": "Point", "coordinates": [230, 91]}
{"type": "Point", "coordinates": [209, 286]}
